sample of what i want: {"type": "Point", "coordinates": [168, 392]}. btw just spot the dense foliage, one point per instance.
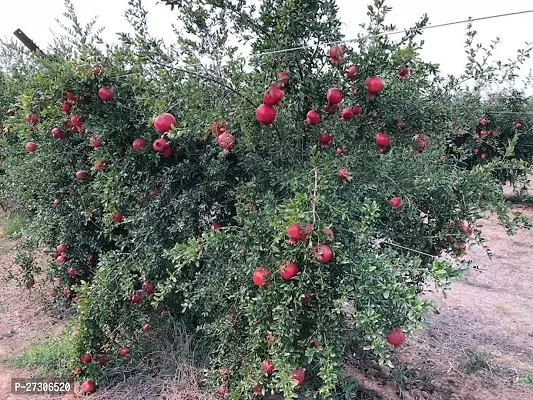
{"type": "Point", "coordinates": [278, 243]}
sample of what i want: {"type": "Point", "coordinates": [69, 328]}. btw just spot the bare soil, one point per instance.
{"type": "Point", "coordinates": [479, 346]}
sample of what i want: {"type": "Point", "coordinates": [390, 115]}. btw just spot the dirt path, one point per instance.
{"type": "Point", "coordinates": [480, 346]}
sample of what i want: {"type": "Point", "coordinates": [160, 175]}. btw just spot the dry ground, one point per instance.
{"type": "Point", "coordinates": [479, 346]}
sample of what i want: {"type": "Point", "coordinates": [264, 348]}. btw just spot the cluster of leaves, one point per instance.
{"type": "Point", "coordinates": [272, 178]}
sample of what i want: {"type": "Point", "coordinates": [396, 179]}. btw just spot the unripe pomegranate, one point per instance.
{"type": "Point", "coordinates": [88, 387]}
{"type": "Point", "coordinates": [138, 144]}
{"type": "Point", "coordinates": [347, 114]}
{"type": "Point", "coordinates": [374, 85]}
{"type": "Point", "coordinates": [160, 145]}
{"type": "Point", "coordinates": [267, 366]}
{"type": "Point", "coordinates": [288, 271]}
{"type": "Point", "coordinates": [324, 139]}
{"type": "Point", "coordinates": [164, 122]}
{"type": "Point", "coordinates": [396, 337]}
{"type": "Point", "coordinates": [265, 114]}
{"type": "Point", "coordinates": [395, 202]}
{"type": "Point", "coordinates": [226, 141]}
{"type": "Point", "coordinates": [260, 277]}
{"type": "Point", "coordinates": [283, 77]}
{"type": "Point", "coordinates": [351, 73]}
{"type": "Point", "coordinates": [86, 358]}
{"type": "Point", "coordinates": [402, 73]}
{"type": "Point", "coordinates": [382, 141]}
{"type": "Point", "coordinates": [81, 175]}
{"type": "Point", "coordinates": [334, 96]}
{"type": "Point", "coordinates": [65, 107]}
{"type": "Point", "coordinates": [76, 120]}
{"type": "Point", "coordinates": [312, 118]}
{"type": "Point", "coordinates": [58, 133]}
{"type": "Point", "coordinates": [117, 217]}
{"type": "Point", "coordinates": [344, 175]}
{"type": "Point", "coordinates": [322, 253]}
{"type": "Point", "coordinates": [273, 96]}
{"type": "Point", "coordinates": [30, 147]}
{"type": "Point", "coordinates": [106, 94]}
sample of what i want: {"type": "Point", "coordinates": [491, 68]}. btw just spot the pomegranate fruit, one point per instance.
{"type": "Point", "coordinates": [117, 217]}
{"type": "Point", "coordinates": [81, 175]}
{"type": "Point", "coordinates": [351, 73]}
{"type": "Point", "coordinates": [267, 366]}
{"type": "Point", "coordinates": [260, 277]}
{"type": "Point", "coordinates": [382, 141]}
{"type": "Point", "coordinates": [483, 122]}
{"type": "Point", "coordinates": [146, 328]}
{"type": "Point", "coordinates": [86, 358]}
{"type": "Point", "coordinates": [106, 94]}
{"type": "Point", "coordinates": [340, 151]}
{"type": "Point", "coordinates": [334, 96]}
{"type": "Point", "coordinates": [265, 114]}
{"type": "Point", "coordinates": [164, 122]}
{"type": "Point", "coordinates": [167, 153]}
{"type": "Point", "coordinates": [76, 120]}
{"type": "Point", "coordinates": [72, 272]}
{"type": "Point", "coordinates": [347, 114]}
{"type": "Point", "coordinates": [30, 147]}
{"type": "Point", "coordinates": [298, 375]}
{"type": "Point", "coordinates": [329, 234]}
{"type": "Point", "coordinates": [336, 54]}
{"type": "Point", "coordinates": [226, 141]}
{"type": "Point", "coordinates": [273, 96]}
{"type": "Point", "coordinates": [288, 271]}
{"type": "Point", "coordinates": [99, 165]}
{"type": "Point", "coordinates": [219, 127]}
{"type": "Point", "coordinates": [312, 118]}
{"type": "Point", "coordinates": [283, 77]}
{"type": "Point", "coordinates": [344, 175]}
{"type": "Point", "coordinates": [374, 85]}
{"type": "Point", "coordinates": [395, 202]}
{"type": "Point", "coordinates": [322, 253]}
{"type": "Point", "coordinates": [65, 107]}
{"type": "Point", "coordinates": [58, 133]}
{"type": "Point", "coordinates": [324, 139]}
{"type": "Point", "coordinates": [307, 297]}
{"type": "Point", "coordinates": [62, 248]}
{"type": "Point", "coordinates": [88, 387]}
{"type": "Point", "coordinates": [216, 226]}
{"type": "Point", "coordinates": [148, 288]}
{"type": "Point", "coordinates": [396, 337]}
{"type": "Point", "coordinates": [100, 359]}
{"type": "Point", "coordinates": [32, 119]}
{"type": "Point", "coordinates": [95, 142]}
{"type": "Point", "coordinates": [160, 145]}
{"type": "Point", "coordinates": [124, 351]}
{"type": "Point", "coordinates": [402, 73]}
{"type": "Point", "coordinates": [135, 298]}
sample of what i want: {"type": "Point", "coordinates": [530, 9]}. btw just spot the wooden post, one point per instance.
{"type": "Point", "coordinates": [27, 41]}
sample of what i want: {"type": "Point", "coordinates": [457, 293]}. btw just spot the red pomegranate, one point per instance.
{"type": "Point", "coordinates": [483, 133]}
{"type": "Point", "coordinates": [395, 202]}
{"type": "Point", "coordinates": [88, 387]}
{"type": "Point", "coordinates": [295, 233]}
{"type": "Point", "coordinates": [267, 366]}
{"type": "Point", "coordinates": [69, 96]}
{"type": "Point", "coordinates": [164, 122]}
{"type": "Point", "coordinates": [72, 272]}
{"type": "Point", "coordinates": [219, 127]}
{"type": "Point", "coordinates": [167, 153]}
{"type": "Point", "coordinates": [312, 118]}
{"type": "Point", "coordinates": [160, 145]}
{"type": "Point", "coordinates": [76, 120]}
{"type": "Point", "coordinates": [374, 85]}
{"type": "Point", "coordinates": [344, 175]}
{"type": "Point", "coordinates": [257, 390]}
{"type": "Point", "coordinates": [322, 253]}
{"type": "Point", "coordinates": [135, 298]}
{"type": "Point", "coordinates": [324, 139]}
{"type": "Point", "coordinates": [518, 125]}
{"type": "Point", "coordinates": [138, 144]}
{"type": "Point", "coordinates": [396, 337]}
{"type": "Point", "coordinates": [347, 114]}
{"type": "Point", "coordinates": [106, 94]}
{"type": "Point", "coordinates": [483, 122]}
{"type": "Point", "coordinates": [288, 271]}
{"type": "Point", "coordinates": [265, 114]}
{"type": "Point", "coordinates": [58, 133]}
{"type": "Point", "coordinates": [100, 359]}
{"type": "Point", "coordinates": [222, 390]}
{"type": "Point", "coordinates": [273, 96]}
{"type": "Point", "coordinates": [65, 107]}
{"type": "Point", "coordinates": [334, 96]}
{"type": "Point", "coordinates": [298, 375]}
{"type": "Point", "coordinates": [148, 288]}
{"type": "Point", "coordinates": [124, 351]}
{"type": "Point", "coordinates": [30, 147]}
{"type": "Point", "coordinates": [402, 73]}
{"type": "Point", "coordinates": [340, 151]}
{"type": "Point", "coordinates": [226, 141]}
{"type": "Point", "coordinates": [117, 217]}
{"type": "Point", "coordinates": [81, 175]}
{"type": "Point", "coordinates": [493, 134]}
{"type": "Point", "coordinates": [86, 358]}
{"type": "Point", "coordinates": [32, 119]}
{"type": "Point", "coordinates": [260, 277]}
{"type": "Point", "coordinates": [216, 226]}
{"type": "Point", "coordinates": [99, 165]}
{"type": "Point", "coordinates": [307, 297]}
{"type": "Point", "coordinates": [351, 73]}
{"type": "Point", "coordinates": [95, 142]}
{"type": "Point", "coordinates": [283, 77]}
{"type": "Point", "coordinates": [382, 141]}
{"type": "Point", "coordinates": [483, 156]}
{"type": "Point", "coordinates": [336, 55]}
{"type": "Point", "coordinates": [146, 328]}
{"type": "Point", "coordinates": [329, 234]}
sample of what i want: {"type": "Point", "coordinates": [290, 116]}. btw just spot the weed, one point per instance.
{"type": "Point", "coordinates": [13, 227]}
{"type": "Point", "coordinates": [475, 360]}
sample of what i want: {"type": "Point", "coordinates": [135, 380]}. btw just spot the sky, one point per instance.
{"type": "Point", "coordinates": [444, 46]}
